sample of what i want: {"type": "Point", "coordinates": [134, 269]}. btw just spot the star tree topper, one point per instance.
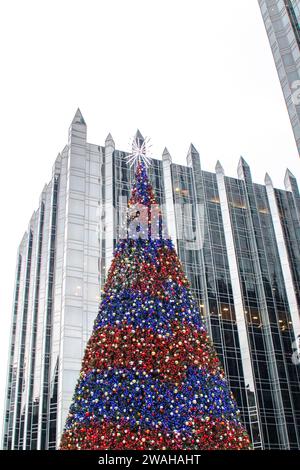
{"type": "Point", "coordinates": [140, 151]}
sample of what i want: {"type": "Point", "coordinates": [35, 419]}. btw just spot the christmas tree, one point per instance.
{"type": "Point", "coordinates": [150, 377]}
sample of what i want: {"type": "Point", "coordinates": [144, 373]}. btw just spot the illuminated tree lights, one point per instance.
{"type": "Point", "coordinates": [150, 377]}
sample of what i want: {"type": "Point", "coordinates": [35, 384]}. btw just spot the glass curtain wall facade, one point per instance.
{"type": "Point", "coordinates": [282, 23]}
{"type": "Point", "coordinates": [239, 243]}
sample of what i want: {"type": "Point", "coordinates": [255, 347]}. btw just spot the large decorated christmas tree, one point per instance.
{"type": "Point", "coordinates": [150, 377]}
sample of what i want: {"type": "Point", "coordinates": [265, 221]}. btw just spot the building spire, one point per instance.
{"type": "Point", "coordinates": [192, 150]}
{"type": "Point", "coordinates": [219, 169]}
{"type": "Point", "coordinates": [78, 118]}
{"type": "Point", "coordinates": [109, 141]}
{"type": "Point", "coordinates": [138, 136]}
{"type": "Point", "coordinates": [268, 181]}
{"type": "Point", "coordinates": [193, 156]}
{"type": "Point", "coordinates": [289, 173]}
{"type": "Point", "coordinates": [243, 170]}
{"type": "Point", "coordinates": [166, 155]}
{"type": "Point", "coordinates": [290, 182]}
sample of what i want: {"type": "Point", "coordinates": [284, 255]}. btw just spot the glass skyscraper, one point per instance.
{"type": "Point", "coordinates": [282, 22]}
{"type": "Point", "coordinates": [239, 243]}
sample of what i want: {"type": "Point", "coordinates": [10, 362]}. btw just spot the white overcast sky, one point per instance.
{"type": "Point", "coordinates": [179, 70]}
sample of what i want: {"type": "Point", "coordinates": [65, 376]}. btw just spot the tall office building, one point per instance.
{"type": "Point", "coordinates": [239, 243]}
{"type": "Point", "coordinates": [282, 22]}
